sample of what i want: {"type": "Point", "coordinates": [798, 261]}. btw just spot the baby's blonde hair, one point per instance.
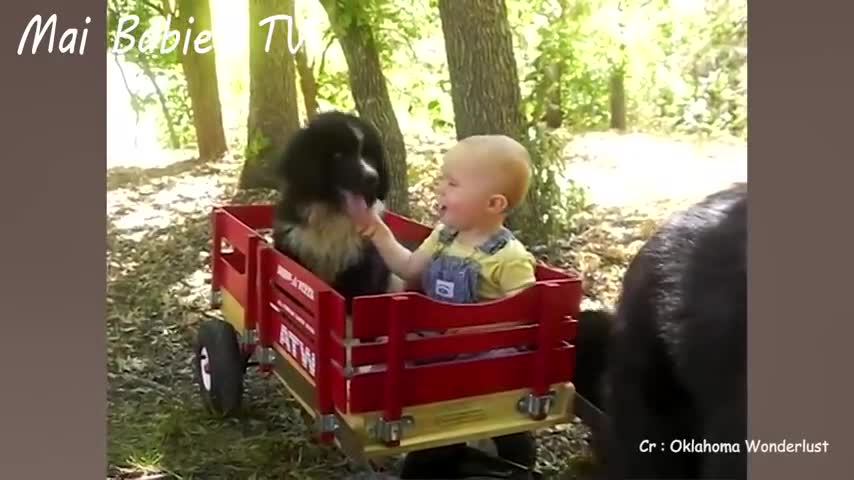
{"type": "Point", "coordinates": [508, 162]}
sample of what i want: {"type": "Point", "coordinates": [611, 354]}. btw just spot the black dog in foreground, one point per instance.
{"type": "Point", "coordinates": [334, 164]}
{"type": "Point", "coordinates": [670, 371]}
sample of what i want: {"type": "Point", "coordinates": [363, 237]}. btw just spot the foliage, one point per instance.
{"type": "Point", "coordinates": [257, 145]}
{"type": "Point", "coordinates": [685, 61]}
{"type": "Point", "coordinates": [178, 103]}
{"type": "Point", "coordinates": [408, 36]}
{"type": "Point", "coordinates": [685, 66]}
{"type": "Point", "coordinates": [163, 70]}
{"type": "Point", "coordinates": [553, 203]}
{"type": "Point", "coordinates": [691, 78]}
{"type": "Point", "coordinates": [573, 44]}
{"type": "Point", "coordinates": [334, 88]}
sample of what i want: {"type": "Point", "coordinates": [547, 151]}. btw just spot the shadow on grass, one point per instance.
{"type": "Point", "coordinates": [135, 177]}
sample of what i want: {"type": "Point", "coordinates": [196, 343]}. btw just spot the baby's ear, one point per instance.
{"type": "Point", "coordinates": [498, 203]}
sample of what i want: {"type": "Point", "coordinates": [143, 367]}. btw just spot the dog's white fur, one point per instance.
{"type": "Point", "coordinates": [331, 243]}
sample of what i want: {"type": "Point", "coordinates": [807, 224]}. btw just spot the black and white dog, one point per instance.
{"type": "Point", "coordinates": [670, 371]}
{"type": "Point", "coordinates": [335, 163]}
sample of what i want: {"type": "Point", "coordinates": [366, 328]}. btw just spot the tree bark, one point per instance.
{"type": "Point", "coordinates": [273, 114]}
{"type": "Point", "coordinates": [307, 81]}
{"type": "Point", "coordinates": [484, 78]}
{"type": "Point", "coordinates": [200, 72]}
{"type": "Point", "coordinates": [617, 83]}
{"type": "Point", "coordinates": [370, 94]}
{"type": "Point", "coordinates": [554, 111]}
{"type": "Point", "coordinates": [618, 98]}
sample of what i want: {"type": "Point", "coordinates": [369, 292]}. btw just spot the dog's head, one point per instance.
{"type": "Point", "coordinates": [335, 158]}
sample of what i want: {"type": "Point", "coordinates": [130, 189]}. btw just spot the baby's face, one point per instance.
{"type": "Point", "coordinates": [465, 188]}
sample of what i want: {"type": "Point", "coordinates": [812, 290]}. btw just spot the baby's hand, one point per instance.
{"type": "Point", "coordinates": [366, 219]}
{"type": "Point", "coordinates": [366, 229]}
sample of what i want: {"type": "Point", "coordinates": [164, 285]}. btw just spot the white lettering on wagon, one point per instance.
{"type": "Point", "coordinates": [295, 282]}
{"type": "Point", "coordinates": [297, 349]}
{"type": "Point", "coordinates": [282, 306]}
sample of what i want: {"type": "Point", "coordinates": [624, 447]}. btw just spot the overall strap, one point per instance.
{"type": "Point", "coordinates": [447, 235]}
{"type": "Point", "coordinates": [496, 242]}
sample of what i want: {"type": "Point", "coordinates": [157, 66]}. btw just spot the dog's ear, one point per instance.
{"type": "Point", "coordinates": [299, 166]}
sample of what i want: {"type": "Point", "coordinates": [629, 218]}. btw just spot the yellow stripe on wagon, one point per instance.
{"type": "Point", "coordinates": [232, 312]}
{"type": "Point", "coordinates": [462, 420]}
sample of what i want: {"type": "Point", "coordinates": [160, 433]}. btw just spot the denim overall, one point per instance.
{"type": "Point", "coordinates": [455, 280]}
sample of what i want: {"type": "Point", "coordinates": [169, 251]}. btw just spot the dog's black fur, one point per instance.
{"type": "Point", "coordinates": [676, 351]}
{"type": "Point", "coordinates": [591, 344]}
{"type": "Point", "coordinates": [335, 152]}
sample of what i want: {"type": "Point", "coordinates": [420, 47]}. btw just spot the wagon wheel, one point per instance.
{"type": "Point", "coordinates": [219, 366]}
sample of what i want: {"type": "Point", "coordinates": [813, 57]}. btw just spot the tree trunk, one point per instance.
{"type": "Point", "coordinates": [554, 112]}
{"type": "Point", "coordinates": [617, 82]}
{"type": "Point", "coordinates": [487, 100]}
{"type": "Point", "coordinates": [484, 78]}
{"type": "Point", "coordinates": [200, 71]}
{"type": "Point", "coordinates": [370, 93]}
{"type": "Point", "coordinates": [618, 98]}
{"type": "Point", "coordinates": [308, 84]}
{"type": "Point", "coordinates": [273, 113]}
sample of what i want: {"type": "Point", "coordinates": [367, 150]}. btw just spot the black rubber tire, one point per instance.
{"type": "Point", "coordinates": [226, 365]}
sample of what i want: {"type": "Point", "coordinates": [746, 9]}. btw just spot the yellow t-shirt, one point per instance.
{"type": "Point", "coordinates": [504, 272]}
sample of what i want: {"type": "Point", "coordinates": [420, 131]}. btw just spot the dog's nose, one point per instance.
{"type": "Point", "coordinates": [370, 182]}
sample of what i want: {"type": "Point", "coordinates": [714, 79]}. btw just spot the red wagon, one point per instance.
{"type": "Point", "coordinates": [373, 388]}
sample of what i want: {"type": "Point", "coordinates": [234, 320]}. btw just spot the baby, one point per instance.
{"type": "Point", "coordinates": [470, 257]}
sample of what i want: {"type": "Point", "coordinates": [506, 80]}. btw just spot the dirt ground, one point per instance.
{"type": "Point", "coordinates": [638, 170]}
